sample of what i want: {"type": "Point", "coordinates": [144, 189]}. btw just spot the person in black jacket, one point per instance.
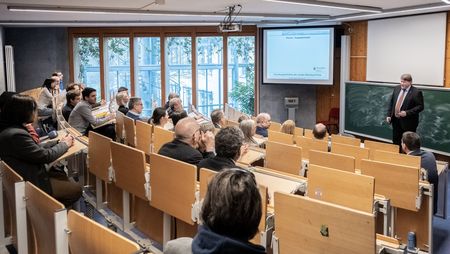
{"type": "Point", "coordinates": [228, 144]}
{"type": "Point", "coordinates": [28, 158]}
{"type": "Point", "coordinates": [187, 138]}
{"type": "Point", "coordinates": [404, 107]}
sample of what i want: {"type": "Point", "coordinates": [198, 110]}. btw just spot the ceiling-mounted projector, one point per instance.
{"type": "Point", "coordinates": [233, 27]}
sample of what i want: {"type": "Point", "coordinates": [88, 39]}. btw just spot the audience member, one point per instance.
{"type": "Point", "coordinates": [218, 118]}
{"type": "Point", "coordinates": [4, 98]}
{"type": "Point", "coordinates": [61, 79]}
{"type": "Point", "coordinates": [171, 96]}
{"type": "Point", "coordinates": [159, 117]}
{"type": "Point", "coordinates": [27, 157]}
{"type": "Point", "coordinates": [411, 145]}
{"type": "Point", "coordinates": [175, 105]}
{"type": "Point", "coordinates": [122, 100]}
{"type": "Point", "coordinates": [73, 87]}
{"type": "Point", "coordinates": [81, 117]}
{"type": "Point", "coordinates": [288, 127]}
{"type": "Point", "coordinates": [242, 118]}
{"type": "Point", "coordinates": [229, 143]}
{"type": "Point", "coordinates": [320, 131]}
{"type": "Point", "coordinates": [187, 139]}
{"type": "Point", "coordinates": [230, 216]}
{"type": "Point", "coordinates": [177, 116]}
{"type": "Point", "coordinates": [73, 97]}
{"type": "Point", "coordinates": [45, 99]}
{"type": "Point", "coordinates": [248, 128]}
{"type": "Point", "coordinates": [206, 128]}
{"type": "Point", "coordinates": [135, 107]}
{"type": "Point", "coordinates": [262, 124]}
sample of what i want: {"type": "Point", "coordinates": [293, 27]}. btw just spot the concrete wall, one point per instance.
{"type": "Point", "coordinates": [271, 100]}
{"type": "Point", "coordinates": [38, 52]}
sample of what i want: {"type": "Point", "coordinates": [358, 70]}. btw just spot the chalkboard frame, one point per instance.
{"type": "Point", "coordinates": [344, 103]}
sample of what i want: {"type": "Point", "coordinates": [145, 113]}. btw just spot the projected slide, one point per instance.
{"type": "Point", "coordinates": [298, 56]}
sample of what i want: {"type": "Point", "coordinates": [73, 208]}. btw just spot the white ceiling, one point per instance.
{"type": "Point", "coordinates": [9, 18]}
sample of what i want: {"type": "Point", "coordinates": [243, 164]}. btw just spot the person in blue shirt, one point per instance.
{"type": "Point", "coordinates": [135, 107]}
{"type": "Point", "coordinates": [262, 124]}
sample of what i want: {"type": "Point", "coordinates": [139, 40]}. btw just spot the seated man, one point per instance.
{"type": "Point", "coordinates": [175, 105]}
{"type": "Point", "coordinates": [228, 143]}
{"type": "Point", "coordinates": [73, 97]}
{"type": "Point", "coordinates": [171, 96]}
{"type": "Point", "coordinates": [184, 146]}
{"type": "Point", "coordinates": [135, 107]}
{"type": "Point", "coordinates": [177, 116]}
{"type": "Point", "coordinates": [231, 213]}
{"type": "Point", "coordinates": [262, 124]}
{"type": "Point", "coordinates": [122, 99]}
{"type": "Point", "coordinates": [81, 117]}
{"type": "Point", "coordinates": [320, 131]}
{"type": "Point", "coordinates": [411, 146]}
{"type": "Point", "coordinates": [218, 118]}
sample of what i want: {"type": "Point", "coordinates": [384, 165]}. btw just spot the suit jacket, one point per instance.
{"type": "Point", "coordinates": [27, 157]}
{"type": "Point", "coordinates": [66, 110]}
{"type": "Point", "coordinates": [262, 131]}
{"type": "Point", "coordinates": [216, 163]}
{"type": "Point", "coordinates": [428, 162]}
{"type": "Point", "coordinates": [181, 151]}
{"type": "Point", "coordinates": [412, 105]}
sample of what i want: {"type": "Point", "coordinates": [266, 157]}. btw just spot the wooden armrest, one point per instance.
{"type": "Point", "coordinates": [387, 241]}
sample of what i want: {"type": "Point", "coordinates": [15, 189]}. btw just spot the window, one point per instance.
{"type": "Point", "coordinates": [148, 72]}
{"type": "Point", "coordinates": [241, 73]}
{"type": "Point", "coordinates": [87, 62]}
{"type": "Point", "coordinates": [117, 64]}
{"type": "Point", "coordinates": [209, 74]}
{"type": "Point", "coordinates": [179, 68]}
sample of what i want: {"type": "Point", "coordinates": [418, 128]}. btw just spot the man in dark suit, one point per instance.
{"type": "Point", "coordinates": [184, 146]}
{"type": "Point", "coordinates": [405, 105]}
{"type": "Point", "coordinates": [411, 146]}
{"type": "Point", "coordinates": [228, 143]}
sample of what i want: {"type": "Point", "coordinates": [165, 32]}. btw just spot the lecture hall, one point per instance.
{"type": "Point", "coordinates": [222, 127]}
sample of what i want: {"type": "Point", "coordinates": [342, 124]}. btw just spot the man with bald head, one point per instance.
{"type": "Point", "coordinates": [262, 124]}
{"type": "Point", "coordinates": [187, 139]}
{"type": "Point", "coordinates": [320, 131]}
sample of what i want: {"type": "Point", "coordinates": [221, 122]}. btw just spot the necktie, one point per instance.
{"type": "Point", "coordinates": [399, 101]}
{"type": "Point", "coordinates": [33, 133]}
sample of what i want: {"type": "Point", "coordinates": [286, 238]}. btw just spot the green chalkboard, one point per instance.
{"type": "Point", "coordinates": [366, 106]}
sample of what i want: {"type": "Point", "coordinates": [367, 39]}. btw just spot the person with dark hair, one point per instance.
{"type": "Point", "coordinates": [229, 145]}
{"type": "Point", "coordinates": [404, 107]}
{"type": "Point", "coordinates": [27, 157]}
{"type": "Point", "coordinates": [230, 214]}
{"type": "Point", "coordinates": [122, 89]}
{"type": "Point", "coordinates": [81, 117]}
{"type": "Point", "coordinates": [73, 97]}
{"type": "Point", "coordinates": [73, 87]}
{"type": "Point", "coordinates": [45, 99]}
{"type": "Point", "coordinates": [177, 116]}
{"type": "Point", "coordinates": [136, 107]}
{"type": "Point", "coordinates": [319, 131]}
{"type": "Point", "coordinates": [159, 117]}
{"type": "Point", "coordinates": [187, 139]}
{"type": "Point", "coordinates": [411, 146]}
{"type": "Point", "coordinates": [218, 118]}
{"type": "Point", "coordinates": [4, 98]}
{"type": "Point", "coordinates": [61, 78]}
{"type": "Point", "coordinates": [242, 118]}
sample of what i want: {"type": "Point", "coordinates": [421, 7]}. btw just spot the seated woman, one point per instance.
{"type": "Point", "coordinates": [288, 127]}
{"type": "Point", "coordinates": [231, 213]}
{"type": "Point", "coordinates": [248, 127]}
{"type": "Point", "coordinates": [45, 100]}
{"type": "Point", "coordinates": [25, 155]}
{"type": "Point", "coordinates": [159, 117]}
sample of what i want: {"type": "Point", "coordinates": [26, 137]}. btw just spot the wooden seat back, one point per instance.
{"type": "Point", "coordinates": [9, 178]}
{"type": "Point", "coordinates": [398, 183]}
{"type": "Point", "coordinates": [173, 186]}
{"type": "Point", "coordinates": [274, 126]}
{"type": "Point", "coordinates": [129, 168]}
{"type": "Point", "coordinates": [41, 209]}
{"type": "Point", "coordinates": [99, 153]}
{"type": "Point", "coordinates": [332, 160]}
{"type": "Point", "coordinates": [308, 144]}
{"type": "Point", "coordinates": [284, 158]}
{"type": "Point", "coordinates": [119, 126]}
{"type": "Point", "coordinates": [308, 133]}
{"type": "Point", "coordinates": [88, 236]}
{"type": "Point", "coordinates": [357, 152]}
{"type": "Point", "coordinates": [280, 137]}
{"type": "Point", "coordinates": [298, 131]}
{"type": "Point", "coordinates": [302, 223]}
{"type": "Point", "coordinates": [375, 145]}
{"type": "Point", "coordinates": [130, 131]}
{"type": "Point", "coordinates": [34, 93]}
{"type": "Point", "coordinates": [160, 137]}
{"type": "Point", "coordinates": [395, 158]}
{"type": "Point", "coordinates": [341, 188]}
{"type": "Point", "coordinates": [144, 133]}
{"type": "Point", "coordinates": [345, 140]}
{"type": "Point", "coordinates": [205, 177]}
{"type": "Point", "coordinates": [232, 123]}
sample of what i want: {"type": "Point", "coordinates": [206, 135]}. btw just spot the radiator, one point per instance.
{"type": "Point", "coordinates": [10, 77]}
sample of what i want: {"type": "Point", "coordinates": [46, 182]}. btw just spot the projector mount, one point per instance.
{"type": "Point", "coordinates": [228, 24]}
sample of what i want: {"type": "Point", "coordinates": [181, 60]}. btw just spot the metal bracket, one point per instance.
{"type": "Point", "coordinates": [196, 207]}
{"type": "Point", "coordinates": [147, 187]}
{"type": "Point", "coordinates": [266, 235]}
{"type": "Point", "coordinates": [275, 244]}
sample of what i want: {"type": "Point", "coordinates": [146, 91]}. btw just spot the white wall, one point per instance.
{"type": "Point", "coordinates": [2, 61]}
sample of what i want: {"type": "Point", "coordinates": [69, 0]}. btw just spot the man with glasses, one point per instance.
{"type": "Point", "coordinates": [135, 107]}
{"type": "Point", "coordinates": [187, 139]}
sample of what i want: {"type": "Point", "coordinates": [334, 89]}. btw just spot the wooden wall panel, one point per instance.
{"type": "Point", "coordinates": [447, 55]}
{"type": "Point", "coordinates": [358, 50]}
{"type": "Point", "coordinates": [327, 97]}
